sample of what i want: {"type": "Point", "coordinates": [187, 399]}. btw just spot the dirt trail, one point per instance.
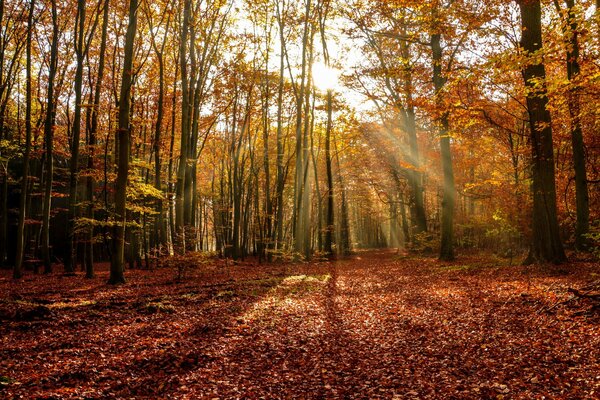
{"type": "Point", "coordinates": [373, 326]}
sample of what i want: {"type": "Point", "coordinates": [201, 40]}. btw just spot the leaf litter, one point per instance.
{"type": "Point", "coordinates": [373, 326]}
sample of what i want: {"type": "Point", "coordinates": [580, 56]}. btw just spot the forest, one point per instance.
{"type": "Point", "coordinates": [300, 199]}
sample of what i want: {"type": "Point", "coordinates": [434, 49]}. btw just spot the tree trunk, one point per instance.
{"type": "Point", "coordinates": [546, 245]}
{"type": "Point", "coordinates": [123, 136]}
{"type": "Point", "coordinates": [330, 221]}
{"type": "Point", "coordinates": [170, 187]}
{"type": "Point", "coordinates": [18, 268]}
{"type": "Point", "coordinates": [185, 130]}
{"type": "Point", "coordinates": [415, 177]}
{"type": "Point", "coordinates": [70, 257]}
{"type": "Point", "coordinates": [299, 204]}
{"type": "Point", "coordinates": [160, 232]}
{"type": "Point", "coordinates": [49, 141]}
{"type": "Point", "coordinates": [278, 228]}
{"type": "Point", "coordinates": [89, 260]}
{"type": "Point", "coordinates": [268, 246]}
{"type": "Point", "coordinates": [449, 193]}
{"type": "Point", "coordinates": [579, 159]}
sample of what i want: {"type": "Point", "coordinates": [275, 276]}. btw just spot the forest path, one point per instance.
{"type": "Point", "coordinates": [375, 325]}
{"type": "Point", "coordinates": [378, 325]}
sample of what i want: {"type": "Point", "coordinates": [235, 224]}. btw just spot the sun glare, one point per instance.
{"type": "Point", "coordinates": [324, 77]}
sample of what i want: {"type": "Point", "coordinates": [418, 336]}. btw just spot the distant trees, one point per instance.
{"type": "Point", "coordinates": [134, 131]}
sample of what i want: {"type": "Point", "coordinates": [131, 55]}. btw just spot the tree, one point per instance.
{"type": "Point", "coordinates": [123, 136]}
{"type": "Point", "coordinates": [92, 141]}
{"type": "Point", "coordinates": [49, 141]}
{"type": "Point", "coordinates": [159, 49]}
{"type": "Point", "coordinates": [18, 268]}
{"type": "Point", "coordinates": [546, 245]}
{"type": "Point", "coordinates": [571, 38]}
{"type": "Point", "coordinates": [300, 206]}
{"type": "Point", "coordinates": [79, 35]}
{"type": "Point", "coordinates": [449, 191]}
{"type": "Point", "coordinates": [329, 218]}
{"type": "Point", "coordinates": [11, 46]}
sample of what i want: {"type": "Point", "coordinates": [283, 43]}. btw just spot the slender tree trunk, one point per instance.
{"type": "Point", "coordinates": [330, 220]}
{"type": "Point", "coordinates": [329, 217]}
{"type": "Point", "coordinates": [185, 125]}
{"type": "Point", "coordinates": [49, 141]}
{"type": "Point", "coordinates": [18, 268]}
{"type": "Point", "coordinates": [89, 260]}
{"type": "Point", "coordinates": [160, 233]}
{"type": "Point", "coordinates": [304, 217]}
{"type": "Point", "coordinates": [160, 229]}
{"type": "Point", "coordinates": [268, 246]}
{"type": "Point", "coordinates": [70, 257]}
{"type": "Point", "coordinates": [299, 212]}
{"type": "Point", "coordinates": [194, 112]}
{"type": "Point", "coordinates": [405, 230]}
{"type": "Point", "coordinates": [344, 237]}
{"type": "Point", "coordinates": [447, 234]}
{"type": "Point", "coordinates": [278, 229]}
{"type": "Point", "coordinates": [4, 215]}
{"type": "Point", "coordinates": [415, 177]}
{"type": "Point", "coordinates": [171, 187]}
{"type": "Point", "coordinates": [124, 138]}
{"type": "Point", "coordinates": [579, 159]}
{"type": "Point", "coordinates": [546, 245]}
{"type": "Point", "coordinates": [4, 199]}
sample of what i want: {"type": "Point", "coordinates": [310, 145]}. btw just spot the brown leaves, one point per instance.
{"type": "Point", "coordinates": [374, 327]}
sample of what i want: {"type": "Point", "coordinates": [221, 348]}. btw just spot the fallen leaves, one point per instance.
{"type": "Point", "coordinates": [377, 327]}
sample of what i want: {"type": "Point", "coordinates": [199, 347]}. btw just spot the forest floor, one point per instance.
{"type": "Point", "coordinates": [375, 325]}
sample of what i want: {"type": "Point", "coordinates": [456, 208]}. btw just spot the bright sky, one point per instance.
{"type": "Point", "coordinates": [344, 56]}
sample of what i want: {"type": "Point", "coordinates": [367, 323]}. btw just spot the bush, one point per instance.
{"type": "Point", "coordinates": [424, 243]}
{"type": "Point", "coordinates": [183, 263]}
{"type": "Point", "coordinates": [593, 238]}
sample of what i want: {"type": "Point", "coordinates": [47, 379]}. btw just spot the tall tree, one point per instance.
{"type": "Point", "coordinates": [449, 191]}
{"type": "Point", "coordinates": [185, 127]}
{"type": "Point", "coordinates": [11, 46]}
{"type": "Point", "coordinates": [278, 223]}
{"type": "Point", "coordinates": [49, 141]}
{"type": "Point", "coordinates": [18, 268]}
{"type": "Point", "coordinates": [571, 38]}
{"type": "Point", "coordinates": [546, 245]}
{"type": "Point", "coordinates": [159, 50]}
{"type": "Point", "coordinates": [124, 140]}
{"type": "Point", "coordinates": [300, 205]}
{"type": "Point", "coordinates": [330, 212]}
{"type": "Point", "coordinates": [92, 141]}
{"type": "Point", "coordinates": [70, 257]}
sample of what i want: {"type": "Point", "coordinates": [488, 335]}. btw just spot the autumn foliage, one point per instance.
{"type": "Point", "coordinates": [231, 161]}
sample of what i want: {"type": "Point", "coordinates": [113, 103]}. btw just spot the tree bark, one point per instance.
{"type": "Point", "coordinates": [579, 158]}
{"type": "Point", "coordinates": [49, 142]}
{"type": "Point", "coordinates": [299, 204]}
{"type": "Point", "coordinates": [546, 245]}
{"type": "Point", "coordinates": [70, 258]}
{"type": "Point", "coordinates": [18, 267]}
{"type": "Point", "coordinates": [185, 130]}
{"type": "Point", "coordinates": [89, 259]}
{"type": "Point", "coordinates": [278, 228]}
{"type": "Point", "coordinates": [330, 221]}
{"type": "Point", "coordinates": [449, 193]}
{"type": "Point", "coordinates": [124, 138]}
